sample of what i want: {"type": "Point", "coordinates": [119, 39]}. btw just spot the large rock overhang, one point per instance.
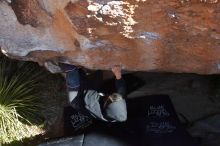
{"type": "Point", "coordinates": [141, 35]}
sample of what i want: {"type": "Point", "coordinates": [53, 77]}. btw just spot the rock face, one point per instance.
{"type": "Point", "coordinates": [157, 35]}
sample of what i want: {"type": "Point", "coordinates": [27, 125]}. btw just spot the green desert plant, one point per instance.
{"type": "Point", "coordinates": [20, 104]}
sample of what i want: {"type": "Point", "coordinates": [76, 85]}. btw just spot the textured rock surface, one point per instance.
{"type": "Point", "coordinates": [158, 35]}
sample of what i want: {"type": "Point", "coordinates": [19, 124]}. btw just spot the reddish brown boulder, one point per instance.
{"type": "Point", "coordinates": [167, 36]}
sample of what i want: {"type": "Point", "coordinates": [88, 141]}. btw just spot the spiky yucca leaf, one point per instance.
{"type": "Point", "coordinates": [19, 102]}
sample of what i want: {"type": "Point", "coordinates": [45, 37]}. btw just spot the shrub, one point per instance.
{"type": "Point", "coordinates": [20, 104]}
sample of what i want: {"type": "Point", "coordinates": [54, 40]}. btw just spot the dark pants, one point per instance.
{"type": "Point", "coordinates": [80, 83]}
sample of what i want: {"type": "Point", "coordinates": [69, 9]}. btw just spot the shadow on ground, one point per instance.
{"type": "Point", "coordinates": [196, 99]}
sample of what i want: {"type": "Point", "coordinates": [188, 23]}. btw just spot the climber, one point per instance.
{"type": "Point", "coordinates": [87, 99]}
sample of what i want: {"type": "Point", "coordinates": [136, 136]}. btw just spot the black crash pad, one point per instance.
{"type": "Point", "coordinates": [152, 121]}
